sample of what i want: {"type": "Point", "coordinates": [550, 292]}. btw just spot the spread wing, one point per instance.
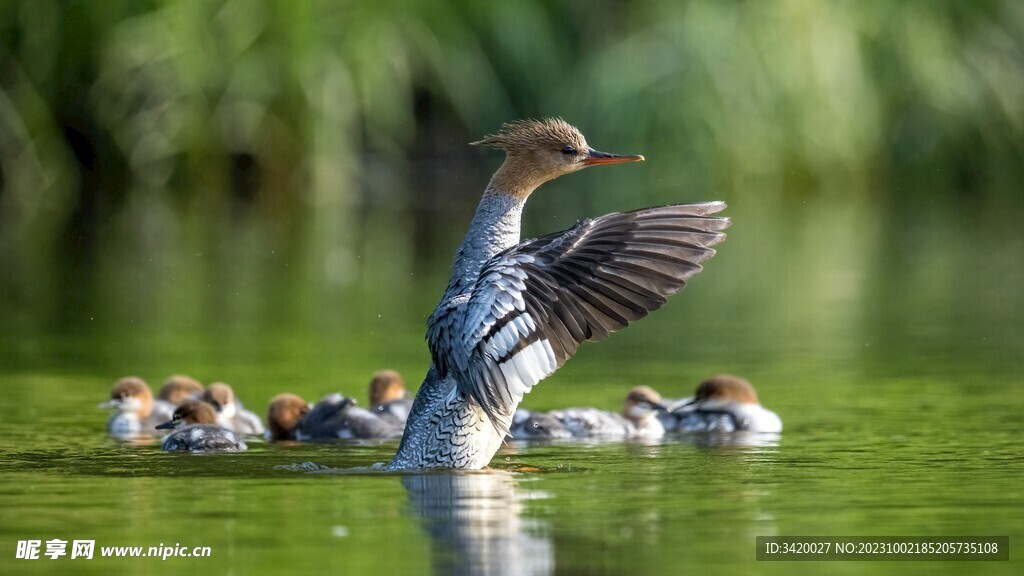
{"type": "Point", "coordinates": [535, 303]}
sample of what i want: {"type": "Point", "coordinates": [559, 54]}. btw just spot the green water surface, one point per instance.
{"type": "Point", "coordinates": [893, 354]}
{"type": "Point", "coordinates": [874, 457]}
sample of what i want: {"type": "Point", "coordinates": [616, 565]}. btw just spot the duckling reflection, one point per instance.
{"type": "Point", "coordinates": [475, 524]}
{"type": "Point", "coordinates": [741, 439]}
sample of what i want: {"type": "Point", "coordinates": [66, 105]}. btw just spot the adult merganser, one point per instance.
{"type": "Point", "coordinates": [230, 413]}
{"type": "Point", "coordinates": [514, 312]}
{"type": "Point", "coordinates": [639, 417]}
{"type": "Point", "coordinates": [334, 417]}
{"type": "Point", "coordinates": [134, 403]}
{"type": "Point", "coordinates": [387, 396]}
{"type": "Point", "coordinates": [195, 429]}
{"type": "Point", "coordinates": [724, 403]}
{"type": "Point", "coordinates": [176, 389]}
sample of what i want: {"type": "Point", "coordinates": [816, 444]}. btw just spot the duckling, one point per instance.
{"type": "Point", "coordinates": [284, 416]}
{"type": "Point", "coordinates": [642, 406]}
{"type": "Point", "coordinates": [638, 417]}
{"type": "Point", "coordinates": [388, 397]}
{"type": "Point", "coordinates": [133, 401]}
{"type": "Point", "coordinates": [231, 414]}
{"type": "Point", "coordinates": [334, 417]}
{"type": "Point", "coordinates": [724, 403]}
{"type": "Point", "coordinates": [176, 389]}
{"type": "Point", "coordinates": [533, 425]}
{"type": "Point", "coordinates": [195, 429]}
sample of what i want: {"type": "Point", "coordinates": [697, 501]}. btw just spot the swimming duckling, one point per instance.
{"type": "Point", "coordinates": [533, 425]}
{"type": "Point", "coordinates": [230, 412]}
{"type": "Point", "coordinates": [724, 403]}
{"type": "Point", "coordinates": [176, 389]}
{"type": "Point", "coordinates": [133, 401]}
{"type": "Point", "coordinates": [334, 417]}
{"type": "Point", "coordinates": [638, 417]}
{"type": "Point", "coordinates": [195, 429]}
{"type": "Point", "coordinates": [284, 416]}
{"type": "Point", "coordinates": [388, 397]}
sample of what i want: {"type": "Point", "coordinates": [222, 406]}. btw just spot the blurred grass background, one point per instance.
{"type": "Point", "coordinates": [215, 185]}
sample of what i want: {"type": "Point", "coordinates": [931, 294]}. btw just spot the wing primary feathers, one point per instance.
{"type": "Point", "coordinates": [535, 303]}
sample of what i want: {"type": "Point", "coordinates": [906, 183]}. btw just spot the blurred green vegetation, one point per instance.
{"type": "Point", "coordinates": [200, 175]}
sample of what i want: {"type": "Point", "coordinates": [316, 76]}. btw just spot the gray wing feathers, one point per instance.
{"type": "Point", "coordinates": [535, 303]}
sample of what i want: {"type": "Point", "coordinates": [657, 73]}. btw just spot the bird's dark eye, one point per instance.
{"type": "Point", "coordinates": [569, 150]}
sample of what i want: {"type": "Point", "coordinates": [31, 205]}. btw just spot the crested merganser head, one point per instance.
{"type": "Point", "coordinates": [131, 395]}
{"type": "Point", "coordinates": [514, 312]}
{"type": "Point", "coordinates": [386, 386]}
{"type": "Point", "coordinates": [178, 388]}
{"type": "Point", "coordinates": [284, 415]}
{"type": "Point", "coordinates": [537, 151]}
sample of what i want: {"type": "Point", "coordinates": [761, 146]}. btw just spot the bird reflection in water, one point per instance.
{"type": "Point", "coordinates": [731, 439]}
{"type": "Point", "coordinates": [475, 523]}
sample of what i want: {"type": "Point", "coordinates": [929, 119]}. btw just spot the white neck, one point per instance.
{"type": "Point", "coordinates": [495, 227]}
